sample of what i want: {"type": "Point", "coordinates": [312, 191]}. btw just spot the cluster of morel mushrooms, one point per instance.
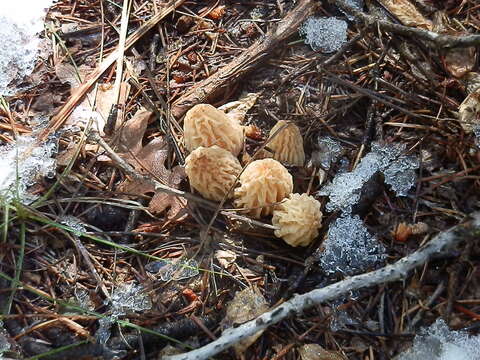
{"type": "Point", "coordinates": [215, 140]}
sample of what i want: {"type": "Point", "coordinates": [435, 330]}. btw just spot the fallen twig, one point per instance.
{"type": "Point", "coordinates": [437, 247]}
{"type": "Point", "coordinates": [441, 40]}
{"type": "Point", "coordinates": [207, 89]}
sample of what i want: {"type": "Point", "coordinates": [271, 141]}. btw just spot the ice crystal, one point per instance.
{"type": "Point", "coordinates": [401, 175]}
{"type": "Point", "coordinates": [350, 248]}
{"type": "Point", "coordinates": [126, 298]}
{"type": "Point", "coordinates": [73, 223]}
{"type": "Point", "coordinates": [173, 270]}
{"type": "Point", "coordinates": [329, 150]}
{"type": "Point", "coordinates": [399, 171]}
{"type": "Point", "coordinates": [438, 342]}
{"type": "Point", "coordinates": [476, 132]}
{"type": "Point", "coordinates": [21, 21]}
{"type": "Point", "coordinates": [4, 344]}
{"type": "Point", "coordinates": [324, 34]}
{"type": "Point", "coordinates": [129, 297]}
{"type": "Point", "coordinates": [23, 162]}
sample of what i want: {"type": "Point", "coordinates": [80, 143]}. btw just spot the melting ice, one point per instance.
{"type": "Point", "coordinates": [349, 248]}
{"type": "Point", "coordinates": [21, 20]}
{"type": "Point", "coordinates": [22, 163]}
{"type": "Point", "coordinates": [399, 172]}
{"type": "Point", "coordinates": [324, 34]}
{"type": "Point", "coordinates": [438, 342]}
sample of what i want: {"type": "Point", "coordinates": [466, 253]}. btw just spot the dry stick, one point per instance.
{"type": "Point", "coordinates": [57, 121]}
{"type": "Point", "coordinates": [441, 40]}
{"type": "Point", "coordinates": [439, 246]}
{"type": "Point", "coordinates": [216, 84]}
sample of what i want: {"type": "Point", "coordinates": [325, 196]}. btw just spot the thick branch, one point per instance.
{"type": "Point", "coordinates": [439, 246]}
{"type": "Point", "coordinates": [441, 40]}
{"type": "Point", "coordinates": [211, 87]}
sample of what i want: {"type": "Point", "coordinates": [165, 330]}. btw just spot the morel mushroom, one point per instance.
{"type": "Point", "coordinates": [263, 183]}
{"type": "Point", "coordinates": [287, 144]}
{"type": "Point", "coordinates": [212, 171]}
{"type": "Point", "coordinates": [204, 125]}
{"type": "Point", "coordinates": [298, 219]}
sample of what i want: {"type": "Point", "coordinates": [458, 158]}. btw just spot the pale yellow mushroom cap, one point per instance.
{"type": "Point", "coordinates": [212, 171]}
{"type": "Point", "coordinates": [263, 182]}
{"type": "Point", "coordinates": [298, 219]}
{"type": "Point", "coordinates": [287, 144]}
{"type": "Point", "coordinates": [204, 125]}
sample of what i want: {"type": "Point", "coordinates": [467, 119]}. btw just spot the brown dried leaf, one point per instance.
{"type": "Point", "coordinates": [217, 13]}
{"type": "Point", "coordinates": [237, 110]}
{"type": "Point", "coordinates": [102, 97]}
{"type": "Point", "coordinates": [316, 352]}
{"type": "Point", "coordinates": [131, 135]}
{"type": "Point", "coordinates": [407, 13]}
{"type": "Point", "coordinates": [460, 61]}
{"type": "Point", "coordinates": [247, 305]}
{"type": "Point", "coordinates": [83, 112]}
{"type": "Point", "coordinates": [67, 73]}
{"type": "Point", "coordinates": [469, 112]}
{"type": "Point", "coordinates": [150, 161]}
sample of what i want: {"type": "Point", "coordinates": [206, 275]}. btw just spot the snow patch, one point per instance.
{"type": "Point", "coordinates": [21, 20]}
{"type": "Point", "coordinates": [23, 162]}
{"type": "Point", "coordinates": [438, 342]}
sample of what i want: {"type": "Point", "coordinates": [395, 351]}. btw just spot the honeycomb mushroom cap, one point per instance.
{"type": "Point", "coordinates": [204, 125]}
{"type": "Point", "coordinates": [263, 182]}
{"type": "Point", "coordinates": [287, 144]}
{"type": "Point", "coordinates": [298, 219]}
{"type": "Point", "coordinates": [212, 171]}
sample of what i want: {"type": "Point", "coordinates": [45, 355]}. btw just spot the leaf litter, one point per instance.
{"type": "Point", "coordinates": [350, 246]}
{"type": "Point", "coordinates": [149, 160]}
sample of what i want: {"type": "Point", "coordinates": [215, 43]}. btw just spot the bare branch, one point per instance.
{"type": "Point", "coordinates": [439, 246]}
{"type": "Point", "coordinates": [441, 40]}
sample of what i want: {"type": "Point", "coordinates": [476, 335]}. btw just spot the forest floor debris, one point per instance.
{"type": "Point", "coordinates": [107, 250]}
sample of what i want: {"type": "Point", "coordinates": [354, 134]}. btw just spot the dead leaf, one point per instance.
{"type": "Point", "coordinates": [316, 352]}
{"type": "Point", "coordinates": [65, 156]}
{"type": "Point", "coordinates": [131, 134]}
{"type": "Point", "coordinates": [149, 161]}
{"type": "Point", "coordinates": [247, 305]}
{"type": "Point", "coordinates": [469, 112]}
{"type": "Point", "coordinates": [67, 73]}
{"type": "Point", "coordinates": [217, 13]}
{"type": "Point", "coordinates": [225, 257]}
{"type": "Point", "coordinates": [457, 61]}
{"type": "Point", "coordinates": [460, 61]}
{"type": "Point", "coordinates": [407, 13]}
{"type": "Point", "coordinates": [238, 109]}
{"type": "Point", "coordinates": [103, 98]}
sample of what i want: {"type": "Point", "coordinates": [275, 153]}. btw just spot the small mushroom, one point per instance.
{"type": "Point", "coordinates": [298, 219]}
{"type": "Point", "coordinates": [212, 171]}
{"type": "Point", "coordinates": [204, 125]}
{"type": "Point", "coordinates": [262, 183]}
{"type": "Point", "coordinates": [287, 144]}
